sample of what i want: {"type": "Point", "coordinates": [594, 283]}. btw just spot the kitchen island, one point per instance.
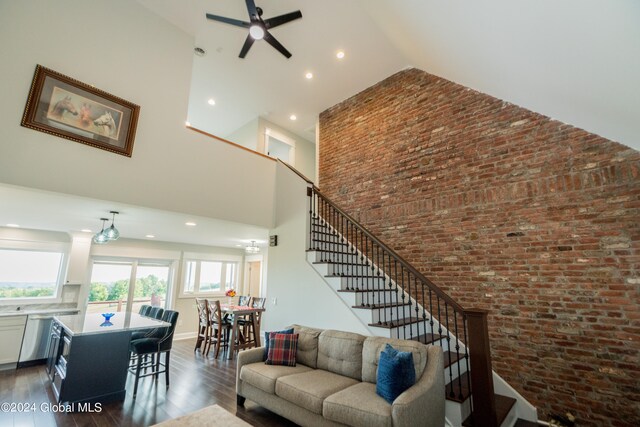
{"type": "Point", "coordinates": [88, 356]}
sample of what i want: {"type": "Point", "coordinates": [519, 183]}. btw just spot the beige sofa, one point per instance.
{"type": "Point", "coordinates": [334, 382]}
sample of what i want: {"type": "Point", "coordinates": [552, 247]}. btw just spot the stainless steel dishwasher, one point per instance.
{"type": "Point", "coordinates": [36, 339]}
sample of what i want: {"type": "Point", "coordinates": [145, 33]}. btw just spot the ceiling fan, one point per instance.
{"type": "Point", "coordinates": [258, 27]}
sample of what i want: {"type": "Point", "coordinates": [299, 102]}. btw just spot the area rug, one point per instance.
{"type": "Point", "coordinates": [209, 416]}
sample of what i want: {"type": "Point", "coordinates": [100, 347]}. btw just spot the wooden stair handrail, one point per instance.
{"type": "Point", "coordinates": [439, 292]}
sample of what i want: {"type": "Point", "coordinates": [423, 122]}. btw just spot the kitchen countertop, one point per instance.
{"type": "Point", "coordinates": [40, 311]}
{"type": "Point", "coordinates": [94, 323]}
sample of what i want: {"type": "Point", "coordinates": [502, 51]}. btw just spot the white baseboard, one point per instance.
{"type": "Point", "coordinates": [184, 336]}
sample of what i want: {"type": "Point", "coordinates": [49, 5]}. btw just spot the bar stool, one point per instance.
{"type": "Point", "coordinates": [155, 346]}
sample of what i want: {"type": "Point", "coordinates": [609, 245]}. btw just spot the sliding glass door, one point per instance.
{"type": "Point", "coordinates": [111, 285]}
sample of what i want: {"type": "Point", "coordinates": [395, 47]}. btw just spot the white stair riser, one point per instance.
{"type": "Point", "coordinates": [388, 313]}
{"type": "Point", "coordinates": [364, 283]}
{"type": "Point", "coordinates": [353, 270]}
{"type": "Point", "coordinates": [320, 256]}
{"type": "Point", "coordinates": [364, 298]}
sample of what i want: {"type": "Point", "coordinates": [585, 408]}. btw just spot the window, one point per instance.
{"type": "Point", "coordinates": [29, 273]}
{"type": "Point", "coordinates": [127, 285]}
{"type": "Point", "coordinates": [213, 277]}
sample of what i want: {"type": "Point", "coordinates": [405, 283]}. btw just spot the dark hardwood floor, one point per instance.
{"type": "Point", "coordinates": [196, 382]}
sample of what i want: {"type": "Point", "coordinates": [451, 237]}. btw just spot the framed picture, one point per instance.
{"type": "Point", "coordinates": [64, 107]}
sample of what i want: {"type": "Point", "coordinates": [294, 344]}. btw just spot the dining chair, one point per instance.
{"type": "Point", "coordinates": [155, 346]}
{"type": "Point", "coordinates": [244, 300]}
{"type": "Point", "coordinates": [204, 323]}
{"type": "Point", "coordinates": [219, 329]}
{"type": "Point", "coordinates": [246, 324]}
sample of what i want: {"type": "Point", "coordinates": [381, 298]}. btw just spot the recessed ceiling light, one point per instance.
{"type": "Point", "coordinates": [13, 225]}
{"type": "Point", "coordinates": [293, 117]}
{"type": "Point", "coordinates": [190, 224]}
{"type": "Point", "coordinates": [187, 123]}
{"type": "Point", "coordinates": [340, 54]}
{"type": "Point", "coordinates": [211, 101]}
{"type": "Point", "coordinates": [150, 236]}
{"type": "Point", "coordinates": [86, 230]}
{"type": "Point", "coordinates": [309, 75]}
{"type": "Point", "coordinates": [239, 246]}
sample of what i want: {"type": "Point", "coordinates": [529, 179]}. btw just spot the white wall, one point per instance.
{"type": "Point", "coordinates": [122, 48]}
{"type": "Point", "coordinates": [302, 296]}
{"type": "Point", "coordinates": [305, 150]}
{"type": "Point", "coordinates": [247, 135]}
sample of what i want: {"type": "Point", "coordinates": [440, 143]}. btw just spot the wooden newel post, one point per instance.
{"type": "Point", "coordinates": [482, 395]}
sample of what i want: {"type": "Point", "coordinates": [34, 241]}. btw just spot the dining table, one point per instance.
{"type": "Point", "coordinates": [237, 312]}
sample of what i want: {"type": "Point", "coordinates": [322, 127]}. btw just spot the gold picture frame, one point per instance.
{"type": "Point", "coordinates": [65, 107]}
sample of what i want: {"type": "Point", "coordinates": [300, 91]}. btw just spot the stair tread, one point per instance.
{"type": "Point", "coordinates": [451, 357]}
{"type": "Point", "coordinates": [380, 306]}
{"type": "Point", "coordinates": [397, 323]}
{"type": "Point", "coordinates": [458, 391]}
{"type": "Point", "coordinates": [524, 423]}
{"type": "Point", "coordinates": [341, 263]}
{"type": "Point", "coordinates": [427, 339]}
{"type": "Point", "coordinates": [357, 275]}
{"type": "Point", "coordinates": [361, 290]}
{"type": "Point", "coordinates": [328, 250]}
{"type": "Point", "coordinates": [503, 406]}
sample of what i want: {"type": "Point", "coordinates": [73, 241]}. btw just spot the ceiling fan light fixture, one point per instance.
{"type": "Point", "coordinates": [257, 32]}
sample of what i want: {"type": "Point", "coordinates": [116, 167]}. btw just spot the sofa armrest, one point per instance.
{"type": "Point", "coordinates": [245, 357]}
{"type": "Point", "coordinates": [424, 400]}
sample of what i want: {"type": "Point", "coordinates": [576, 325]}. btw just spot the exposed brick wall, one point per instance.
{"type": "Point", "coordinates": [508, 210]}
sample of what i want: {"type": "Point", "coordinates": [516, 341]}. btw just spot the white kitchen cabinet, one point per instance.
{"type": "Point", "coordinates": [11, 331]}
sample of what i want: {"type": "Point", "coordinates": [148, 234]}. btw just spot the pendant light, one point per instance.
{"type": "Point", "coordinates": [252, 249]}
{"type": "Point", "coordinates": [112, 232]}
{"type": "Point", "coordinates": [100, 238]}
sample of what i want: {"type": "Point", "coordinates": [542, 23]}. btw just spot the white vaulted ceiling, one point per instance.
{"type": "Point", "coordinates": [577, 61]}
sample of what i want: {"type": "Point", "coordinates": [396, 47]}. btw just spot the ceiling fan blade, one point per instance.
{"type": "Point", "coordinates": [275, 43]}
{"type": "Point", "coordinates": [253, 10]}
{"type": "Point", "coordinates": [246, 46]}
{"type": "Point", "coordinates": [231, 21]}
{"type": "Point", "coordinates": [282, 19]}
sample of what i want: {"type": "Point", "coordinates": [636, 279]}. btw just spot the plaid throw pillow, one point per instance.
{"type": "Point", "coordinates": [282, 349]}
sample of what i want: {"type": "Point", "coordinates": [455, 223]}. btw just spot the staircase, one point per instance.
{"type": "Point", "coordinates": [392, 299]}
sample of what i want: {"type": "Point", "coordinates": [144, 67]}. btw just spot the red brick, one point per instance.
{"type": "Point", "coordinates": [460, 178]}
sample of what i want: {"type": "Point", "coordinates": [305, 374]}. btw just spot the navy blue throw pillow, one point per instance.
{"type": "Point", "coordinates": [396, 373]}
{"type": "Point", "coordinates": [266, 340]}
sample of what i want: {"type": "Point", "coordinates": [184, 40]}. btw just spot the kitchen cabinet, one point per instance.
{"type": "Point", "coordinates": [11, 332]}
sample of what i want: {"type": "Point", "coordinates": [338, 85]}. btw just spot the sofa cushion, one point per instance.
{"type": "Point", "coordinates": [264, 376]}
{"type": "Point", "coordinates": [309, 389]}
{"type": "Point", "coordinates": [282, 350]}
{"type": "Point", "coordinates": [358, 405]}
{"type": "Point", "coordinates": [307, 353]}
{"type": "Point", "coordinates": [341, 353]}
{"type": "Point", "coordinates": [373, 346]}
{"type": "Point", "coordinates": [395, 373]}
